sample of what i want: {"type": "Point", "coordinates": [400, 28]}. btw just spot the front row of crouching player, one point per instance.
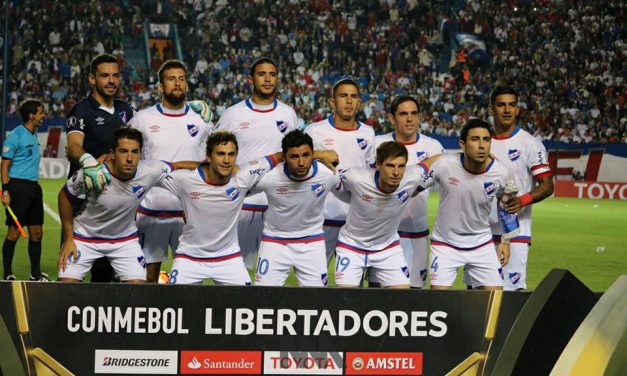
{"type": "Point", "coordinates": [296, 181]}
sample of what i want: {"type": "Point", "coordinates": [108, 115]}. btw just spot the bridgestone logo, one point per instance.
{"type": "Point", "coordinates": [136, 362]}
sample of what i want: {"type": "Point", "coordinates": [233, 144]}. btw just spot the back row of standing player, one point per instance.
{"type": "Point", "coordinates": [172, 132]}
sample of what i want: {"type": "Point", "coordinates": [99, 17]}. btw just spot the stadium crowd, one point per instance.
{"type": "Point", "coordinates": [567, 59]}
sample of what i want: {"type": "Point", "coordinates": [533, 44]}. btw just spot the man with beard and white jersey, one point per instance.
{"type": "Point", "coordinates": [370, 239]}
{"type": "Point", "coordinates": [469, 184]}
{"type": "Point", "coordinates": [292, 234]}
{"type": "Point", "coordinates": [171, 132]}
{"type": "Point", "coordinates": [526, 157]}
{"type": "Point", "coordinates": [105, 225]}
{"type": "Point", "coordinates": [259, 123]}
{"type": "Point", "coordinates": [414, 227]}
{"type": "Point", "coordinates": [212, 190]}
{"type": "Point", "coordinates": [354, 143]}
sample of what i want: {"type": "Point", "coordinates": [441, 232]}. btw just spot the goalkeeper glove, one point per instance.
{"type": "Point", "coordinates": [96, 176]}
{"type": "Point", "coordinates": [202, 109]}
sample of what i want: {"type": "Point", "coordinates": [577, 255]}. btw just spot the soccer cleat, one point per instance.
{"type": "Point", "coordinates": [43, 277]}
{"type": "Point", "coordinates": [10, 277]}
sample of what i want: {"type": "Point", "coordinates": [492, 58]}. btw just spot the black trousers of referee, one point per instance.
{"type": "Point", "coordinates": [101, 270]}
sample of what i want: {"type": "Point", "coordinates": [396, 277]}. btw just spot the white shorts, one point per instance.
{"type": "Point", "coordinates": [515, 272]}
{"type": "Point", "coordinates": [126, 258]}
{"type": "Point", "coordinates": [188, 270]}
{"type": "Point", "coordinates": [249, 227]}
{"type": "Point", "coordinates": [415, 252]}
{"type": "Point", "coordinates": [275, 260]}
{"type": "Point", "coordinates": [156, 234]}
{"type": "Point", "coordinates": [481, 263]}
{"type": "Point", "coordinates": [387, 267]}
{"type": "Point", "coordinates": [331, 234]}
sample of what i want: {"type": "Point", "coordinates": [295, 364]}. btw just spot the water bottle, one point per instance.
{"type": "Point", "coordinates": [509, 222]}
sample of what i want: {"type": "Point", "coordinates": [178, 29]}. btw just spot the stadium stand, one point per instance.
{"type": "Point", "coordinates": [566, 58]}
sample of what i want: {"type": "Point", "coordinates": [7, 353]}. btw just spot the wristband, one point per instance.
{"type": "Point", "coordinates": [526, 199]}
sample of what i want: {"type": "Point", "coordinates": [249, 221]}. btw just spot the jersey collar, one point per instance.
{"type": "Point", "coordinates": [250, 104]}
{"type": "Point", "coordinates": [313, 170]}
{"type": "Point", "coordinates": [406, 143]}
{"type": "Point", "coordinates": [461, 159]}
{"type": "Point", "coordinates": [332, 122]}
{"type": "Point", "coordinates": [172, 113]}
{"type": "Point", "coordinates": [204, 177]}
{"type": "Point", "coordinates": [512, 134]}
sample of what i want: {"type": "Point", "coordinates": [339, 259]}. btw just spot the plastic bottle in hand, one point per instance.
{"type": "Point", "coordinates": [509, 221]}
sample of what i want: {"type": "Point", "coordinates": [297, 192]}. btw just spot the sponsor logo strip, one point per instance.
{"type": "Point", "coordinates": [145, 362]}
{"type": "Point", "coordinates": [302, 363]}
{"type": "Point", "coordinates": [384, 363]}
{"type": "Point", "coordinates": [221, 362]}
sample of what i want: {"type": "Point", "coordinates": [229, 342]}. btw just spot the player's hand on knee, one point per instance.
{"type": "Point", "coordinates": [68, 251]}
{"type": "Point", "coordinates": [96, 175]}
{"type": "Point", "coordinates": [503, 253]}
{"type": "Point", "coordinates": [202, 108]}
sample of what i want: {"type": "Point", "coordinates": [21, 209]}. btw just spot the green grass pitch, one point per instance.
{"type": "Point", "coordinates": [587, 237]}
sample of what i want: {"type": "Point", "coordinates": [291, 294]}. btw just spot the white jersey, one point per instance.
{"type": "Point", "coordinates": [211, 211]}
{"type": "Point", "coordinates": [295, 206]}
{"type": "Point", "coordinates": [355, 148]}
{"type": "Point", "coordinates": [372, 220]}
{"type": "Point", "coordinates": [414, 223]}
{"type": "Point", "coordinates": [171, 135]}
{"type": "Point", "coordinates": [466, 201]}
{"type": "Point", "coordinates": [110, 215]}
{"type": "Point", "coordinates": [259, 131]}
{"type": "Point", "coordinates": [525, 156]}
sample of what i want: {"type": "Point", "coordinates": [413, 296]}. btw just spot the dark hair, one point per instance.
{"type": "Point", "coordinates": [101, 59]}
{"type": "Point", "coordinates": [171, 64]}
{"type": "Point", "coordinates": [401, 99]}
{"type": "Point", "coordinates": [262, 60]}
{"type": "Point", "coordinates": [220, 137]}
{"type": "Point", "coordinates": [128, 133]}
{"type": "Point", "coordinates": [391, 149]}
{"type": "Point", "coordinates": [474, 123]}
{"type": "Point", "coordinates": [295, 139]}
{"type": "Point", "coordinates": [29, 107]}
{"type": "Point", "coordinates": [502, 90]}
{"type": "Point", "coordinates": [343, 81]}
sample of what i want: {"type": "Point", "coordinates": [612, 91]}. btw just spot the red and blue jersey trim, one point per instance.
{"type": "Point", "coordinates": [304, 239]}
{"type": "Point", "coordinates": [461, 157]}
{"type": "Point", "coordinates": [334, 222]}
{"type": "Point", "coordinates": [271, 160]}
{"type": "Point", "coordinates": [413, 235]}
{"type": "Point", "coordinates": [162, 112]}
{"type": "Point", "coordinates": [517, 239]}
{"type": "Point", "coordinates": [255, 208]}
{"type": "Point", "coordinates": [367, 251]}
{"type": "Point", "coordinates": [437, 242]}
{"type": "Point", "coordinates": [332, 122]}
{"type": "Point", "coordinates": [160, 213]}
{"type": "Point", "coordinates": [207, 259]}
{"type": "Point", "coordinates": [249, 104]}
{"type": "Point", "coordinates": [98, 240]}
{"type": "Point", "coordinates": [514, 132]}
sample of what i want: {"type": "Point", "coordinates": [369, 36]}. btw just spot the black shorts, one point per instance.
{"type": "Point", "coordinates": [26, 202]}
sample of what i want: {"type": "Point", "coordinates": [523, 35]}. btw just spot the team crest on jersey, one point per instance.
{"type": "Point", "coordinates": [402, 196]}
{"type": "Point", "coordinates": [281, 126]}
{"type": "Point", "coordinates": [71, 259]}
{"type": "Point", "coordinates": [318, 189]}
{"type": "Point", "coordinates": [514, 277]}
{"type": "Point", "coordinates": [489, 188]}
{"type": "Point", "coordinates": [154, 128]}
{"type": "Point", "coordinates": [192, 129]}
{"type": "Point", "coordinates": [363, 144]}
{"type": "Point", "coordinates": [123, 116]}
{"type": "Point", "coordinates": [329, 141]}
{"type": "Point", "coordinates": [421, 156]}
{"type": "Point", "coordinates": [139, 190]}
{"type": "Point", "coordinates": [232, 193]}
{"type": "Point", "coordinates": [324, 278]}
{"type": "Point", "coordinates": [142, 261]}
{"type": "Point", "coordinates": [423, 274]}
{"type": "Point", "coordinates": [513, 154]}
{"type": "Point", "coordinates": [405, 271]}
